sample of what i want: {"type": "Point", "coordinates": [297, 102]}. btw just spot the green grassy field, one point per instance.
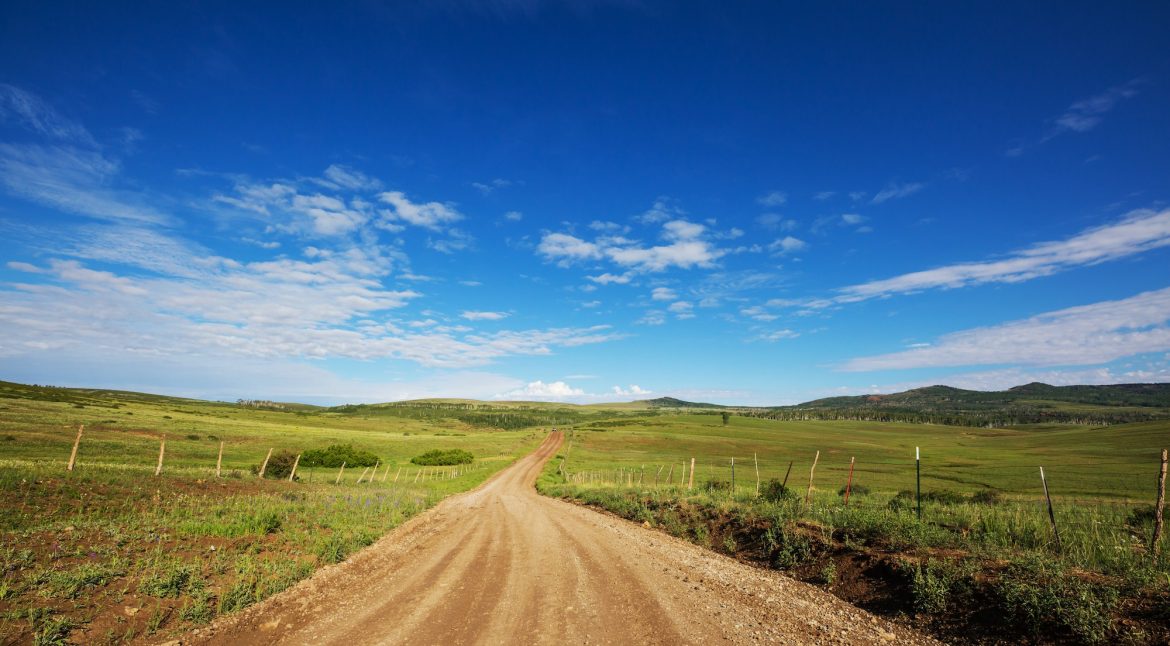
{"type": "Point", "coordinates": [984, 540]}
{"type": "Point", "coordinates": [109, 553]}
{"type": "Point", "coordinates": [1116, 463]}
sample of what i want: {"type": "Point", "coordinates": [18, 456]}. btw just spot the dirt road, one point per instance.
{"type": "Point", "coordinates": [503, 565]}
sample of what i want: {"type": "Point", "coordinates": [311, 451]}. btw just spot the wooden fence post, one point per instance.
{"type": "Point", "coordinates": [849, 482]}
{"type": "Point", "coordinates": [377, 463]}
{"type": "Point", "coordinates": [756, 459]}
{"type": "Point", "coordinates": [339, 472]}
{"type": "Point", "coordinates": [670, 476]}
{"type": "Point", "coordinates": [657, 475]}
{"type": "Point", "coordinates": [293, 473]}
{"type": "Point", "coordinates": [265, 465]}
{"type": "Point", "coordinates": [219, 460]}
{"type": "Point", "coordinates": [162, 449]}
{"type": "Point", "coordinates": [733, 477]}
{"type": "Point", "coordinates": [811, 472]}
{"type": "Point", "coordinates": [1051, 515]}
{"type": "Point", "coordinates": [691, 482]}
{"type": "Point", "coordinates": [363, 475]}
{"type": "Point", "coordinates": [76, 445]}
{"type": "Point", "coordinates": [918, 480]}
{"type": "Point", "coordinates": [397, 473]}
{"type": "Point", "coordinates": [1160, 506]}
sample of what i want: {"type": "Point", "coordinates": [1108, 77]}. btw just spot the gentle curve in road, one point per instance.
{"type": "Point", "coordinates": [504, 565]}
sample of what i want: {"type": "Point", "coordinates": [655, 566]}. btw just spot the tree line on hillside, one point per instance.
{"type": "Point", "coordinates": [480, 415]}
{"type": "Point", "coordinates": [1013, 416]}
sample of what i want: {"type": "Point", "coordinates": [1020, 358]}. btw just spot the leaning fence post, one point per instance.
{"type": "Point", "coordinates": [363, 475]}
{"type": "Point", "coordinates": [787, 473]}
{"type": "Point", "coordinates": [918, 480]}
{"type": "Point", "coordinates": [1051, 515]}
{"type": "Point", "coordinates": [293, 474]}
{"type": "Point", "coordinates": [397, 473]}
{"type": "Point", "coordinates": [811, 472]}
{"type": "Point", "coordinates": [265, 465]}
{"type": "Point", "coordinates": [756, 459]}
{"type": "Point", "coordinates": [162, 449]}
{"type": "Point", "coordinates": [658, 474]}
{"type": "Point", "coordinates": [76, 445]}
{"type": "Point", "coordinates": [1160, 506]}
{"type": "Point", "coordinates": [670, 477]}
{"type": "Point", "coordinates": [219, 460]}
{"type": "Point", "coordinates": [339, 472]}
{"type": "Point", "coordinates": [849, 482]}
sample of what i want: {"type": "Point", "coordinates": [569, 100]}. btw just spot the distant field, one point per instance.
{"type": "Point", "coordinates": [1107, 463]}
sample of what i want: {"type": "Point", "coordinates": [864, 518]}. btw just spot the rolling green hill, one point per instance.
{"type": "Point", "coordinates": [1033, 403]}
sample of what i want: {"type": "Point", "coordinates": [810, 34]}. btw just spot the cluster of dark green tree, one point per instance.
{"type": "Point", "coordinates": [478, 415]}
{"type": "Point", "coordinates": [441, 457]}
{"type": "Point", "coordinates": [1008, 417]}
{"type": "Point", "coordinates": [335, 454]}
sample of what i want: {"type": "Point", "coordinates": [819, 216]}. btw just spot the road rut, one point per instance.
{"type": "Point", "coordinates": [504, 565]}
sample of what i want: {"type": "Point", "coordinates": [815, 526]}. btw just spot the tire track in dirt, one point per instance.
{"type": "Point", "coordinates": [502, 564]}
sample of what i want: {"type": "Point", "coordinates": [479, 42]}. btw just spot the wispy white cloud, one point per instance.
{"type": "Point", "coordinates": [775, 221]}
{"type": "Point", "coordinates": [787, 244]}
{"type": "Point", "coordinates": [472, 315]}
{"type": "Point", "coordinates": [772, 199]}
{"type": "Point", "coordinates": [331, 303]}
{"type": "Point", "coordinates": [539, 390]}
{"type": "Point", "coordinates": [778, 335]}
{"type": "Point", "coordinates": [1138, 232]}
{"type": "Point", "coordinates": [429, 215]}
{"type": "Point", "coordinates": [560, 391]}
{"type": "Point", "coordinates": [685, 248]}
{"type": "Point", "coordinates": [1082, 335]}
{"type": "Point", "coordinates": [345, 177]}
{"type": "Point", "coordinates": [632, 391]}
{"type": "Point", "coordinates": [513, 216]}
{"type": "Point", "coordinates": [895, 191]}
{"type": "Point", "coordinates": [489, 187]}
{"type": "Point", "coordinates": [758, 313]}
{"type": "Point", "coordinates": [663, 294]}
{"type": "Point", "coordinates": [29, 111]}
{"type": "Point", "coordinates": [1083, 115]}
{"type": "Point", "coordinates": [610, 279]}
{"type": "Point", "coordinates": [1086, 114]}
{"type": "Point", "coordinates": [664, 209]}
{"type": "Point", "coordinates": [74, 180]}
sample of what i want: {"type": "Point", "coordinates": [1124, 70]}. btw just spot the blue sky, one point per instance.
{"type": "Point", "coordinates": [583, 201]}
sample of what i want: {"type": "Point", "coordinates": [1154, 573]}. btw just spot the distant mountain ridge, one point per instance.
{"type": "Point", "coordinates": [671, 402]}
{"type": "Point", "coordinates": [1143, 395]}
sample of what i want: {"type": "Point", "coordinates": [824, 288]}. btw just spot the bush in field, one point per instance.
{"type": "Point", "coordinates": [279, 465]}
{"type": "Point", "coordinates": [855, 490]}
{"type": "Point", "coordinates": [903, 501]}
{"type": "Point", "coordinates": [944, 496]}
{"type": "Point", "coordinates": [716, 485]}
{"type": "Point", "coordinates": [775, 491]}
{"type": "Point", "coordinates": [987, 497]}
{"type": "Point", "coordinates": [439, 457]}
{"type": "Point", "coordinates": [335, 454]}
